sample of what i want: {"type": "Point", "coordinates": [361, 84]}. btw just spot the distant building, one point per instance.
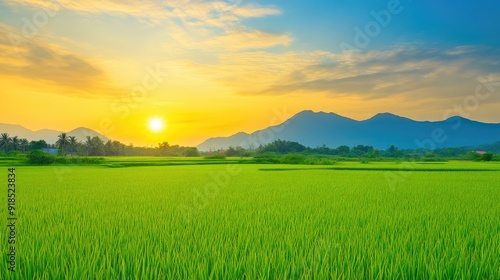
{"type": "Point", "coordinates": [50, 150]}
{"type": "Point", "coordinates": [480, 152]}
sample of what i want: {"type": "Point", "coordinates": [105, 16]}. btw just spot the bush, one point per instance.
{"type": "Point", "coordinates": [319, 160]}
{"type": "Point", "coordinates": [267, 158]}
{"type": "Point", "coordinates": [487, 157]}
{"type": "Point", "coordinates": [215, 156]}
{"type": "Point", "coordinates": [191, 152]}
{"type": "Point", "coordinates": [15, 154]}
{"type": "Point", "coordinates": [40, 157]}
{"type": "Point", "coordinates": [293, 159]}
{"type": "Point", "coordinates": [81, 160]}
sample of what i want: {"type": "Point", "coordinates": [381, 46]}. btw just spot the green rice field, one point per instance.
{"type": "Point", "coordinates": [136, 218]}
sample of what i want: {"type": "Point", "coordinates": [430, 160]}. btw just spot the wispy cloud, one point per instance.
{"type": "Point", "coordinates": [438, 73]}
{"type": "Point", "coordinates": [192, 12]}
{"type": "Point", "coordinates": [51, 66]}
{"type": "Point", "coordinates": [235, 40]}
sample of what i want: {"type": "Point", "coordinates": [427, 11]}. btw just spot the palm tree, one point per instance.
{"type": "Point", "coordinates": [90, 146]}
{"type": "Point", "coordinates": [5, 141]}
{"type": "Point", "coordinates": [24, 144]}
{"type": "Point", "coordinates": [15, 143]}
{"type": "Point", "coordinates": [72, 144]}
{"type": "Point", "coordinates": [62, 143]}
{"type": "Point", "coordinates": [95, 146]}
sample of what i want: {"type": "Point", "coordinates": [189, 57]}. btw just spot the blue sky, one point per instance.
{"type": "Point", "coordinates": [324, 24]}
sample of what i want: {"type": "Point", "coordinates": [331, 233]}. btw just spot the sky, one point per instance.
{"type": "Point", "coordinates": [215, 68]}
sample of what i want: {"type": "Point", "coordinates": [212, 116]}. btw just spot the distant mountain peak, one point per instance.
{"type": "Point", "coordinates": [81, 128]}
{"type": "Point", "coordinates": [49, 135]}
{"type": "Point", "coordinates": [320, 114]}
{"type": "Point", "coordinates": [82, 132]}
{"type": "Point", "coordinates": [386, 115]}
{"type": "Point", "coordinates": [455, 118]}
{"type": "Point", "coordinates": [381, 131]}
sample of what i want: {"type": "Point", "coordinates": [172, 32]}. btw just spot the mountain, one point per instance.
{"type": "Point", "coordinates": [381, 131]}
{"type": "Point", "coordinates": [81, 133]}
{"type": "Point", "coordinates": [49, 135]}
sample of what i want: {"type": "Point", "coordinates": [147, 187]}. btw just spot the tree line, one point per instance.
{"type": "Point", "coordinates": [95, 146]}
{"type": "Point", "coordinates": [282, 147]}
{"type": "Point", "coordinates": [91, 146]}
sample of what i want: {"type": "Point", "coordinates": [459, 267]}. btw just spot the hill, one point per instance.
{"type": "Point", "coordinates": [49, 135]}
{"type": "Point", "coordinates": [314, 129]}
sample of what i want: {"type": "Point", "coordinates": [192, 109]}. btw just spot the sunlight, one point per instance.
{"type": "Point", "coordinates": [156, 124]}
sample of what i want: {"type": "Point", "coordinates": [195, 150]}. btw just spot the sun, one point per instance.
{"type": "Point", "coordinates": [156, 124]}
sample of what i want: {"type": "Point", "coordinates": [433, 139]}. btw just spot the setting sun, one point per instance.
{"type": "Point", "coordinates": [156, 124]}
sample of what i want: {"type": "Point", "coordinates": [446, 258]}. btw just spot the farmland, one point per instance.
{"type": "Point", "coordinates": [144, 218]}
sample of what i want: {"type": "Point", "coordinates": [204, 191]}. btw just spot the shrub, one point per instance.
{"type": "Point", "coordinates": [215, 156]}
{"type": "Point", "coordinates": [487, 157]}
{"type": "Point", "coordinates": [40, 157]}
{"type": "Point", "coordinates": [84, 160]}
{"type": "Point", "coordinates": [293, 159]}
{"type": "Point", "coordinates": [191, 152]}
{"type": "Point", "coordinates": [326, 162]}
{"type": "Point", "coordinates": [365, 161]}
{"type": "Point", "coordinates": [267, 158]}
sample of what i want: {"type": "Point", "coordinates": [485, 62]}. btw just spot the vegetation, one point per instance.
{"type": "Point", "coordinates": [40, 157]}
{"type": "Point", "coordinates": [92, 146]}
{"type": "Point", "coordinates": [272, 153]}
{"type": "Point", "coordinates": [279, 151]}
{"type": "Point", "coordinates": [215, 156]}
{"type": "Point", "coordinates": [201, 222]}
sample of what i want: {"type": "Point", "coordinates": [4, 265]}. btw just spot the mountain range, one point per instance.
{"type": "Point", "coordinates": [49, 135]}
{"type": "Point", "coordinates": [315, 129]}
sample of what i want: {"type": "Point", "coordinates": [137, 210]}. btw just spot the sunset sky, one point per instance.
{"type": "Point", "coordinates": [214, 68]}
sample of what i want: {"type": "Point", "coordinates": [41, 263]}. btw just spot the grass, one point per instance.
{"type": "Point", "coordinates": [201, 221]}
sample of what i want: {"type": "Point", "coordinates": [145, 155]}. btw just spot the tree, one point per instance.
{"type": "Point", "coordinates": [191, 152]}
{"type": "Point", "coordinates": [15, 143]}
{"type": "Point", "coordinates": [37, 145]}
{"type": "Point", "coordinates": [118, 148]}
{"type": "Point", "coordinates": [62, 143]}
{"type": "Point", "coordinates": [163, 148]}
{"type": "Point", "coordinates": [361, 150]}
{"type": "Point", "coordinates": [343, 150]}
{"type": "Point", "coordinates": [108, 148]}
{"type": "Point", "coordinates": [114, 148]}
{"type": "Point", "coordinates": [394, 152]}
{"type": "Point", "coordinates": [487, 156]}
{"type": "Point", "coordinates": [73, 144]}
{"type": "Point", "coordinates": [95, 146]}
{"type": "Point", "coordinates": [24, 144]}
{"type": "Point", "coordinates": [235, 152]}
{"type": "Point", "coordinates": [88, 144]}
{"type": "Point", "coordinates": [40, 157]}
{"type": "Point", "coordinates": [429, 156]}
{"type": "Point", "coordinates": [5, 141]}
{"type": "Point", "coordinates": [282, 147]}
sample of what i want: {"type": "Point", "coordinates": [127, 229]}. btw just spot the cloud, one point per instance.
{"type": "Point", "coordinates": [244, 40]}
{"type": "Point", "coordinates": [255, 11]}
{"type": "Point", "coordinates": [404, 71]}
{"type": "Point", "coordinates": [215, 13]}
{"type": "Point", "coordinates": [202, 25]}
{"type": "Point", "coordinates": [48, 64]}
